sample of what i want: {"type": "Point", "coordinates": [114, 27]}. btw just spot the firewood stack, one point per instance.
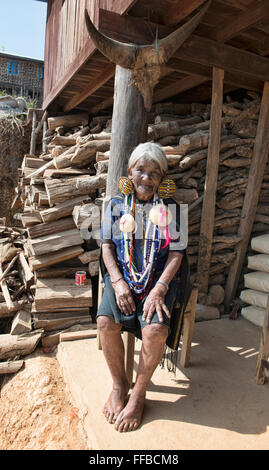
{"type": "Point", "coordinates": [63, 188]}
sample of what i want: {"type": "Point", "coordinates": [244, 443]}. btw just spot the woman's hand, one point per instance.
{"type": "Point", "coordinates": [124, 297]}
{"type": "Point", "coordinates": [155, 302]}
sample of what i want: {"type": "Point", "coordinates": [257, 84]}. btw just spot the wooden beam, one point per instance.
{"type": "Point", "coordinates": [209, 202]}
{"type": "Point", "coordinates": [256, 11]}
{"type": "Point", "coordinates": [239, 80]}
{"type": "Point", "coordinates": [91, 87]}
{"type": "Point", "coordinates": [207, 52]}
{"type": "Point", "coordinates": [180, 10]}
{"type": "Point", "coordinates": [256, 172]}
{"type": "Point", "coordinates": [196, 50]}
{"type": "Point", "coordinates": [178, 87]}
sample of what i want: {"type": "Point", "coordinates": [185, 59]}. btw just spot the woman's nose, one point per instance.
{"type": "Point", "coordinates": [146, 176]}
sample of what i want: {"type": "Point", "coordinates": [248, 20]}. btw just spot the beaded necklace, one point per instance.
{"type": "Point", "coordinates": [139, 281]}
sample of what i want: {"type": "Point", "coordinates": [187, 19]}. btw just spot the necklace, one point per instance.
{"type": "Point", "coordinates": [139, 281]}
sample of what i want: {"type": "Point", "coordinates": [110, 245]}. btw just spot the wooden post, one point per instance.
{"type": "Point", "coordinates": [256, 172]}
{"type": "Point", "coordinates": [209, 200]}
{"type": "Point", "coordinates": [33, 135]}
{"type": "Point", "coordinates": [188, 326]}
{"type": "Point", "coordinates": [264, 348]}
{"type": "Point", "coordinates": [129, 127]}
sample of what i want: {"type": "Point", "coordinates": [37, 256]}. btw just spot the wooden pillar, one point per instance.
{"type": "Point", "coordinates": [256, 172]}
{"type": "Point", "coordinates": [129, 127]}
{"type": "Point", "coordinates": [209, 200]}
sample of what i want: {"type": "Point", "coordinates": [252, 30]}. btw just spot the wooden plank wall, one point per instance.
{"type": "Point", "coordinates": [66, 35]}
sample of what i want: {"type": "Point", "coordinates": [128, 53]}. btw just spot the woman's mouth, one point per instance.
{"type": "Point", "coordinates": [145, 187]}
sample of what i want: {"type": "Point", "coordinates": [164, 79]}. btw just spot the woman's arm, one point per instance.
{"type": "Point", "coordinates": [123, 294]}
{"type": "Point", "coordinates": [155, 299]}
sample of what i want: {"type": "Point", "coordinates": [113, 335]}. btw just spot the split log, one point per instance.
{"type": "Point", "coordinates": [52, 338]}
{"type": "Point", "coordinates": [8, 268]}
{"type": "Point", "coordinates": [77, 335]}
{"type": "Point", "coordinates": [18, 345]}
{"type": "Point", "coordinates": [64, 271]}
{"type": "Point", "coordinates": [55, 321]}
{"type": "Point", "coordinates": [70, 120]}
{"type": "Point", "coordinates": [164, 129]}
{"type": "Point", "coordinates": [64, 172]}
{"type": "Point", "coordinates": [10, 367]}
{"type": "Point", "coordinates": [236, 162]}
{"type": "Point", "coordinates": [185, 196]}
{"type": "Point", "coordinates": [62, 293]}
{"type": "Point", "coordinates": [244, 151]}
{"type": "Point", "coordinates": [6, 312]}
{"type": "Point", "coordinates": [45, 229]}
{"type": "Point", "coordinates": [59, 191]}
{"type": "Point", "coordinates": [197, 140]}
{"type": "Point", "coordinates": [86, 154]}
{"type": "Point", "coordinates": [101, 156]}
{"type": "Point", "coordinates": [230, 201]}
{"type": "Point", "coordinates": [62, 210]}
{"type": "Point", "coordinates": [21, 323]}
{"type": "Point", "coordinates": [5, 291]}
{"type": "Point", "coordinates": [27, 274]}
{"type": "Point", "coordinates": [55, 258]}
{"type": "Point", "coordinates": [64, 141]}
{"type": "Point", "coordinates": [55, 242]}
{"type": "Point", "coordinates": [101, 167]}
{"type": "Point", "coordinates": [64, 160]}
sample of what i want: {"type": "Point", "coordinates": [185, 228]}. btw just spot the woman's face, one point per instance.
{"type": "Point", "coordinates": [146, 176]}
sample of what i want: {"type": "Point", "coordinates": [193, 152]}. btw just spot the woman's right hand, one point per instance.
{"type": "Point", "coordinates": [124, 297]}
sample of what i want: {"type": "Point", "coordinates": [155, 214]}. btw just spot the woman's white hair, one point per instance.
{"type": "Point", "coordinates": [150, 151]}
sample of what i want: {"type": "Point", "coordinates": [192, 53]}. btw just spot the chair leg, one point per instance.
{"type": "Point", "coordinates": [129, 343]}
{"type": "Point", "coordinates": [100, 294]}
{"type": "Point", "coordinates": [188, 326]}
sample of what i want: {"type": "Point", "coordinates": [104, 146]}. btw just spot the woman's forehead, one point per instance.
{"type": "Point", "coordinates": [147, 162]}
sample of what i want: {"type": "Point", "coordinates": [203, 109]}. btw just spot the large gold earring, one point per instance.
{"type": "Point", "coordinates": [167, 188]}
{"type": "Point", "coordinates": [125, 186]}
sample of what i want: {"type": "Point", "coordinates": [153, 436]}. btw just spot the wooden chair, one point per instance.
{"type": "Point", "coordinates": [129, 338]}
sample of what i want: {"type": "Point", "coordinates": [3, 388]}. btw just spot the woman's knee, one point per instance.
{"type": "Point", "coordinates": [155, 332]}
{"type": "Point", "coordinates": [105, 323]}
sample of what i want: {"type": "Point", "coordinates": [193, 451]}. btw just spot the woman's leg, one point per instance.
{"type": "Point", "coordinates": [153, 340]}
{"type": "Point", "coordinates": [113, 349]}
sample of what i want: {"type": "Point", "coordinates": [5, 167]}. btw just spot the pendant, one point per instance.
{"type": "Point", "coordinates": [127, 223]}
{"type": "Point", "coordinates": [160, 215]}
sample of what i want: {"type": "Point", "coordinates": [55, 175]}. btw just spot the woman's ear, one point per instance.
{"type": "Point", "coordinates": [130, 173]}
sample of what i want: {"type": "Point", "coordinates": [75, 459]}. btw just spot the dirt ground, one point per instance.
{"type": "Point", "coordinates": [35, 408]}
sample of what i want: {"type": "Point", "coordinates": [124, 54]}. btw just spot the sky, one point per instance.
{"type": "Point", "coordinates": [22, 28]}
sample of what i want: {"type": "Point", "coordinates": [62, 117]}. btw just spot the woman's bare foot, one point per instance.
{"type": "Point", "coordinates": [116, 402]}
{"type": "Point", "coordinates": [131, 416]}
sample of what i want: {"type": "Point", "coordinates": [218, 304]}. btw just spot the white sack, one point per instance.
{"type": "Point", "coordinates": [254, 314]}
{"type": "Point", "coordinates": [257, 281]}
{"type": "Point", "coordinates": [259, 262]}
{"type": "Point", "coordinates": [254, 297]}
{"type": "Point", "coordinates": [261, 243]}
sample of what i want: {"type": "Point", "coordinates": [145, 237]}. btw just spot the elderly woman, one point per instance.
{"type": "Point", "coordinates": [142, 257]}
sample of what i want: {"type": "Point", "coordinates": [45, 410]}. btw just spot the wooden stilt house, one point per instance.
{"type": "Point", "coordinates": [218, 79]}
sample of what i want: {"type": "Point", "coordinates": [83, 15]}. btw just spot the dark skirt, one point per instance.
{"type": "Point", "coordinates": [134, 322]}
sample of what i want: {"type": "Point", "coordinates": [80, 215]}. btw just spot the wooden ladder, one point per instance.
{"type": "Point", "coordinates": [262, 362]}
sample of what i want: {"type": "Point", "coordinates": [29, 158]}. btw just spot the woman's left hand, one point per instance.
{"type": "Point", "coordinates": [155, 302]}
